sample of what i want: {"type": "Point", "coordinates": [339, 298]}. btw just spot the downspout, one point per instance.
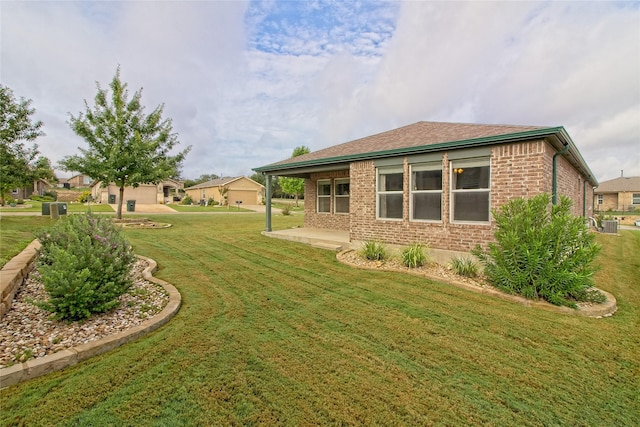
{"type": "Point", "coordinates": [268, 202]}
{"type": "Point", "coordinates": [554, 183]}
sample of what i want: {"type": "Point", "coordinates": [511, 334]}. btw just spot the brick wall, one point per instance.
{"type": "Point", "coordinates": [315, 219]}
{"type": "Point", "coordinates": [517, 170]}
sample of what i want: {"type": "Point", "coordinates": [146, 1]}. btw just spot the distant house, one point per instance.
{"type": "Point", "coordinates": [228, 191]}
{"type": "Point", "coordinates": [619, 194]}
{"type": "Point", "coordinates": [79, 181]}
{"type": "Point", "coordinates": [434, 183]}
{"type": "Point", "coordinates": [143, 194]}
{"type": "Point", "coordinates": [40, 186]}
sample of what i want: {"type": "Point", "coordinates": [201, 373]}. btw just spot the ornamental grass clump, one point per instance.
{"type": "Point", "coordinates": [542, 251]}
{"type": "Point", "coordinates": [85, 266]}
{"type": "Point", "coordinates": [465, 267]}
{"type": "Point", "coordinates": [414, 256]}
{"type": "Point", "coordinates": [373, 251]}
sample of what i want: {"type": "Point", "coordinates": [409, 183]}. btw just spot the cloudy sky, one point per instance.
{"type": "Point", "coordinates": [247, 82]}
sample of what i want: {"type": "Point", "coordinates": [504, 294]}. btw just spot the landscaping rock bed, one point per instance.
{"type": "Point", "coordinates": [27, 331]}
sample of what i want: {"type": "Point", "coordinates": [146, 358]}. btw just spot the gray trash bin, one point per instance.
{"type": "Point", "coordinates": [131, 205]}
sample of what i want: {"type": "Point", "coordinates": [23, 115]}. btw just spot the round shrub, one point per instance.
{"type": "Point", "coordinates": [85, 265]}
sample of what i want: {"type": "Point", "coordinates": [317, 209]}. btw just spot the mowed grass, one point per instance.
{"type": "Point", "coordinates": [279, 333]}
{"type": "Point", "coordinates": [34, 206]}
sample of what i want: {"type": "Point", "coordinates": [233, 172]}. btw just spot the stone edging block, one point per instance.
{"type": "Point", "coordinates": [36, 367]}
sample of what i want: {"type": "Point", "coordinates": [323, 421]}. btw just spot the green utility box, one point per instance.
{"type": "Point", "coordinates": [131, 205]}
{"type": "Point", "coordinates": [112, 199]}
{"type": "Point", "coordinates": [46, 209]}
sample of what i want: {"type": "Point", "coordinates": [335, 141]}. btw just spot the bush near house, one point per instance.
{"type": "Point", "coordinates": [84, 264]}
{"type": "Point", "coordinates": [541, 251]}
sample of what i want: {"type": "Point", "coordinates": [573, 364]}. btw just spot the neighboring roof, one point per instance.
{"type": "Point", "coordinates": [618, 185]}
{"type": "Point", "coordinates": [423, 137]}
{"type": "Point", "coordinates": [219, 182]}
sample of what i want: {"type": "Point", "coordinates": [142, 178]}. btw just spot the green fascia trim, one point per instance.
{"type": "Point", "coordinates": [560, 132]}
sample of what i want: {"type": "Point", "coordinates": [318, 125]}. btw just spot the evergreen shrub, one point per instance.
{"type": "Point", "coordinates": [541, 251]}
{"type": "Point", "coordinates": [85, 265]}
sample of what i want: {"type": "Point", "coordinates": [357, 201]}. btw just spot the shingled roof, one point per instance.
{"type": "Point", "coordinates": [618, 185]}
{"type": "Point", "coordinates": [218, 182]}
{"type": "Point", "coordinates": [422, 137]}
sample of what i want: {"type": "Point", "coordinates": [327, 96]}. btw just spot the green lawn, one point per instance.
{"type": "Point", "coordinates": [201, 209]}
{"type": "Point", "coordinates": [274, 332]}
{"type": "Point", "coordinates": [71, 207]}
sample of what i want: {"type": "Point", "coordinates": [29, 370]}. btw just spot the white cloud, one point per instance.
{"type": "Point", "coordinates": [245, 83]}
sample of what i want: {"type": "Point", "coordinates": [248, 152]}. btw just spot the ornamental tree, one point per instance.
{"type": "Point", "coordinates": [16, 125]}
{"type": "Point", "coordinates": [126, 146]}
{"type": "Point", "coordinates": [294, 186]}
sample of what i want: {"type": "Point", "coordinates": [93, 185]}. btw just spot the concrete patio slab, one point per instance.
{"type": "Point", "coordinates": [334, 240]}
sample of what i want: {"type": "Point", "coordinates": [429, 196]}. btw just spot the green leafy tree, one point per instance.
{"type": "Point", "coordinates": [126, 146]}
{"type": "Point", "coordinates": [542, 251]}
{"type": "Point", "coordinates": [294, 186]}
{"type": "Point", "coordinates": [16, 126]}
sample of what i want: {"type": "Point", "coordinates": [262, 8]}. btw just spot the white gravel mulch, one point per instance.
{"type": "Point", "coordinates": [27, 331]}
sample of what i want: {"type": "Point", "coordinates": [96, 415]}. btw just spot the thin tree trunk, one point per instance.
{"type": "Point", "coordinates": [119, 212]}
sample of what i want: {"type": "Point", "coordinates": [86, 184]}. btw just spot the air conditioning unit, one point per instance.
{"type": "Point", "coordinates": [609, 226]}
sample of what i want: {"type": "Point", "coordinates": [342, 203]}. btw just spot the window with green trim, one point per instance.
{"type": "Point", "coordinates": [324, 196]}
{"type": "Point", "coordinates": [389, 192]}
{"type": "Point", "coordinates": [470, 190]}
{"type": "Point", "coordinates": [426, 192]}
{"type": "Point", "coordinates": [341, 196]}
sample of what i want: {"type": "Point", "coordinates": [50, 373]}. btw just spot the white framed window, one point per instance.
{"type": "Point", "coordinates": [341, 196]}
{"type": "Point", "coordinates": [600, 199]}
{"type": "Point", "coordinates": [389, 192]}
{"type": "Point", "coordinates": [470, 190]}
{"type": "Point", "coordinates": [425, 201]}
{"type": "Point", "coordinates": [324, 196]}
{"type": "Point", "coordinates": [635, 199]}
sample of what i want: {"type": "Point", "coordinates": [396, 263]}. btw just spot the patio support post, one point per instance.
{"type": "Point", "coordinates": [268, 202]}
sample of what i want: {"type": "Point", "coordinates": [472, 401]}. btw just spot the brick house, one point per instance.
{"type": "Point", "coordinates": [619, 194]}
{"type": "Point", "coordinates": [434, 183]}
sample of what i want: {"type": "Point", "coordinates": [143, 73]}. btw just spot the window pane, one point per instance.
{"type": "Point", "coordinates": [390, 206]}
{"type": "Point", "coordinates": [342, 205]}
{"type": "Point", "coordinates": [324, 188]}
{"type": "Point", "coordinates": [427, 206]}
{"type": "Point", "coordinates": [342, 188]}
{"type": "Point", "coordinates": [636, 199]}
{"type": "Point", "coordinates": [471, 206]}
{"type": "Point", "coordinates": [470, 178]}
{"type": "Point", "coordinates": [390, 182]}
{"type": "Point", "coordinates": [427, 180]}
{"type": "Point", "coordinates": [324, 204]}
